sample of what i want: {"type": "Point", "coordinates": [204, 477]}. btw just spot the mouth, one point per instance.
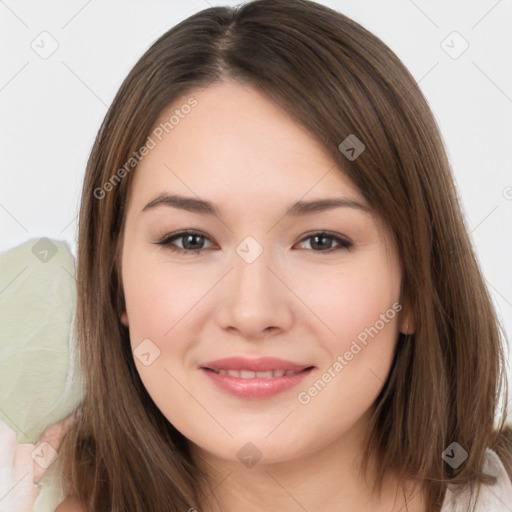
{"type": "Point", "coordinates": [248, 384]}
{"type": "Point", "coordinates": [248, 366]}
{"type": "Point", "coordinates": [249, 374]}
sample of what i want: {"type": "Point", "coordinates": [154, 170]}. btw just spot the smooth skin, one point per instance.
{"type": "Point", "coordinates": [298, 300]}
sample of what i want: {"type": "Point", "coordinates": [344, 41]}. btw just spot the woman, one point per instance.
{"type": "Point", "coordinates": [228, 364]}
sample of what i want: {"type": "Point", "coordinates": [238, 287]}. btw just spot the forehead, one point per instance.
{"type": "Point", "coordinates": [232, 142]}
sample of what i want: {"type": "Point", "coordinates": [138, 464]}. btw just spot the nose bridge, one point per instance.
{"type": "Point", "coordinates": [256, 299]}
{"type": "Point", "coordinates": [251, 272]}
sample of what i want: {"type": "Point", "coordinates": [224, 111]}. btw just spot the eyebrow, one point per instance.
{"type": "Point", "coordinates": [300, 208]}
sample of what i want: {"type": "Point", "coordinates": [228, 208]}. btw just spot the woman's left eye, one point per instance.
{"type": "Point", "coordinates": [319, 240]}
{"type": "Point", "coordinates": [190, 242]}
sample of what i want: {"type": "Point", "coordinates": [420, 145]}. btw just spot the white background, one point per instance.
{"type": "Point", "coordinates": [52, 108]}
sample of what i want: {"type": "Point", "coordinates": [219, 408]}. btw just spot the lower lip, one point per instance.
{"type": "Point", "coordinates": [257, 388]}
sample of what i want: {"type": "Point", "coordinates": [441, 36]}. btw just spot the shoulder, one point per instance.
{"type": "Point", "coordinates": [489, 497]}
{"type": "Point", "coordinates": [494, 466]}
{"type": "Point", "coordinates": [70, 504]}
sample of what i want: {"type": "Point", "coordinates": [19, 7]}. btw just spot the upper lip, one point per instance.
{"type": "Point", "coordinates": [261, 364]}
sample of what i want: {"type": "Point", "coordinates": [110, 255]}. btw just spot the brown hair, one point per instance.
{"type": "Point", "coordinates": [335, 78]}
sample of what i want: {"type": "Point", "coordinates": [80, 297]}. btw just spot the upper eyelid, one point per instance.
{"type": "Point", "coordinates": [171, 237]}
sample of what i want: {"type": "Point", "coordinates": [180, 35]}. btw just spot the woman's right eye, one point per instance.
{"type": "Point", "coordinates": [189, 242]}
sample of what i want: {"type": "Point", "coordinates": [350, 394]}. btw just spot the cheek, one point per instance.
{"type": "Point", "coordinates": [162, 299]}
{"type": "Point", "coordinates": [157, 302]}
{"type": "Point", "coordinates": [355, 299]}
{"type": "Point", "coordinates": [363, 311]}
{"type": "Point", "coordinates": [149, 290]}
{"type": "Point", "coordinates": [145, 295]}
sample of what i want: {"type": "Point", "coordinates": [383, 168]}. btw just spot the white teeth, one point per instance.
{"type": "Point", "coordinates": [247, 374]}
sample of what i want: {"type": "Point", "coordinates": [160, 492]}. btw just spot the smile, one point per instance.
{"type": "Point", "coordinates": [248, 374]}
{"type": "Point", "coordinates": [251, 385]}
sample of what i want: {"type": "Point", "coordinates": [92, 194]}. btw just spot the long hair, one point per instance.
{"type": "Point", "coordinates": [336, 79]}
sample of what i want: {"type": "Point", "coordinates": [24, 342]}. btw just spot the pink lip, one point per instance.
{"type": "Point", "coordinates": [262, 364]}
{"type": "Point", "coordinates": [254, 389]}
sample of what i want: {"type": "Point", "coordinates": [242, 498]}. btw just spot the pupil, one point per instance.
{"type": "Point", "coordinates": [319, 237]}
{"type": "Point", "coordinates": [188, 238]}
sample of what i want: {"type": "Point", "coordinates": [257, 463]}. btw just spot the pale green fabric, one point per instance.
{"type": "Point", "coordinates": [39, 378]}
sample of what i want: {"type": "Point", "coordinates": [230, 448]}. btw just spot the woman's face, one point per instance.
{"type": "Point", "coordinates": [255, 282]}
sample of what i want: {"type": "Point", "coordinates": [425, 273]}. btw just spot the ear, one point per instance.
{"type": "Point", "coordinates": [124, 319]}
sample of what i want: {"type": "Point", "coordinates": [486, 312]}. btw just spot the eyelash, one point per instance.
{"type": "Point", "coordinates": [166, 242]}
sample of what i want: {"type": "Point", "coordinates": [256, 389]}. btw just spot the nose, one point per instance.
{"type": "Point", "coordinates": [255, 298]}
